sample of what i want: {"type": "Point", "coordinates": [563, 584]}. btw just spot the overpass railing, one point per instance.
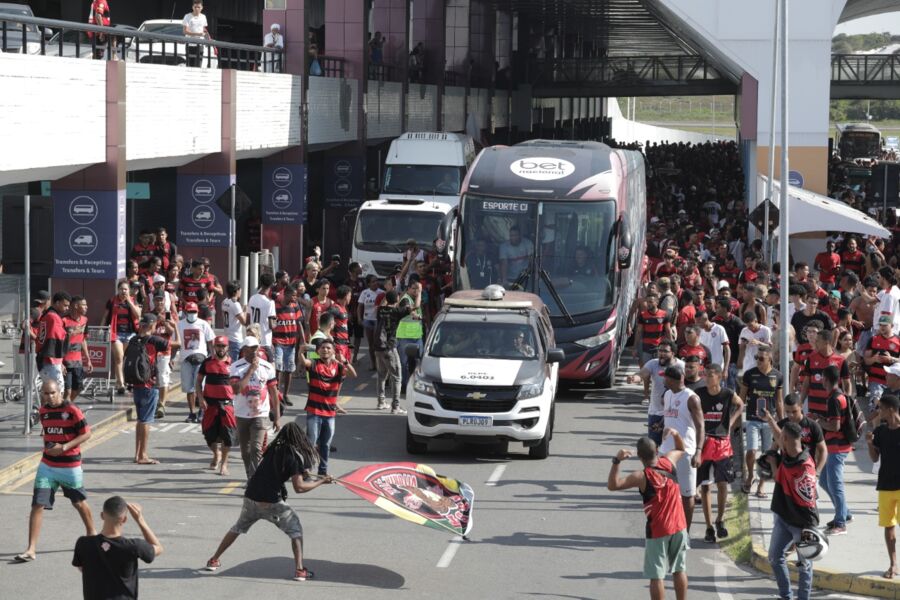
{"type": "Point", "coordinates": [332, 66]}
{"type": "Point", "coordinates": [865, 68]}
{"type": "Point", "coordinates": [23, 34]}
{"type": "Point", "coordinates": [625, 70]}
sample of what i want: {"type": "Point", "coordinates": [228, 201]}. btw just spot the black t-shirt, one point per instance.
{"type": "Point", "coordinates": [887, 441]}
{"type": "Point", "coordinates": [109, 566]}
{"type": "Point", "coordinates": [277, 466]}
{"type": "Point", "coordinates": [733, 327]}
{"type": "Point", "coordinates": [800, 320]}
{"type": "Point", "coordinates": [761, 391]}
{"type": "Point", "coordinates": [811, 433]}
{"type": "Point", "coordinates": [716, 411]}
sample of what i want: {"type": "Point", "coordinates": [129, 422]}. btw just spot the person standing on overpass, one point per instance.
{"type": "Point", "coordinates": [666, 531]}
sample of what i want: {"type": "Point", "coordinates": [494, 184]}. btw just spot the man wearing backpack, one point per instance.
{"type": "Point", "coordinates": [387, 359]}
{"type": "Point", "coordinates": [139, 367]}
{"type": "Point", "coordinates": [838, 428]}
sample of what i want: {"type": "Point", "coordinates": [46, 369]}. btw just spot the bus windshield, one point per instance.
{"type": "Point", "coordinates": [389, 230]}
{"type": "Point", "coordinates": [422, 180]}
{"type": "Point", "coordinates": [571, 267]}
{"type": "Point", "coordinates": [860, 144]}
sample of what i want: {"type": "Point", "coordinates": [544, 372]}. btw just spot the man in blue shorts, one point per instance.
{"type": "Point", "coordinates": [65, 429]}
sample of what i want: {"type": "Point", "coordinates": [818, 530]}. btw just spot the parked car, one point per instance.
{"type": "Point", "coordinates": [165, 53]}
{"type": "Point", "coordinates": [77, 44]}
{"type": "Point", "coordinates": [13, 41]}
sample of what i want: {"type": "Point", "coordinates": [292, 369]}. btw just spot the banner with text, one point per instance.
{"type": "Point", "coordinates": [284, 194]}
{"type": "Point", "coordinates": [200, 221]}
{"type": "Point", "coordinates": [344, 181]}
{"type": "Point", "coordinates": [89, 234]}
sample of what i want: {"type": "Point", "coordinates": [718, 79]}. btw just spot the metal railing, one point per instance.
{"type": "Point", "coordinates": [615, 69]}
{"type": "Point", "coordinates": [865, 68]}
{"type": "Point", "coordinates": [51, 37]}
{"type": "Point", "coordinates": [453, 78]}
{"type": "Point", "coordinates": [332, 66]}
{"type": "Point", "coordinates": [383, 73]}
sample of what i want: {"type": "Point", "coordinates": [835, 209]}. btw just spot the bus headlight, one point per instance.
{"type": "Point", "coordinates": [597, 340]}
{"type": "Point", "coordinates": [530, 390]}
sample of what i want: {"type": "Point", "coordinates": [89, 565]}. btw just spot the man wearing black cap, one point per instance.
{"type": "Point", "coordinates": [146, 396]}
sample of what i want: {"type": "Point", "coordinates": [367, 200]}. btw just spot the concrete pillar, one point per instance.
{"type": "Point", "coordinates": [293, 26]}
{"type": "Point", "coordinates": [89, 230]}
{"type": "Point", "coordinates": [346, 35]}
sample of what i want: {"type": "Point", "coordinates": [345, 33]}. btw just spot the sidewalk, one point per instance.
{"type": "Point", "coordinates": [855, 561]}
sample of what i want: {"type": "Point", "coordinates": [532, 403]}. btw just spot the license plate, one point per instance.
{"type": "Point", "coordinates": [476, 421]}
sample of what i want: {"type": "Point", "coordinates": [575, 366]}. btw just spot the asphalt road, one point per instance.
{"type": "Point", "coordinates": [543, 529]}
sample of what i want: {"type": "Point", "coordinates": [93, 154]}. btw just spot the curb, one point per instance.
{"type": "Point", "coordinates": [27, 466]}
{"type": "Point", "coordinates": [865, 585]}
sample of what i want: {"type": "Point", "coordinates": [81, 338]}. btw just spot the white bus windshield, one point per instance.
{"type": "Point", "coordinates": [571, 266]}
{"type": "Point", "coordinates": [422, 180]}
{"type": "Point", "coordinates": [389, 230]}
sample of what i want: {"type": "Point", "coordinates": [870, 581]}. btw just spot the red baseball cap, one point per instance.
{"type": "Point", "coordinates": [220, 340]}
{"type": "Point", "coordinates": [191, 307]}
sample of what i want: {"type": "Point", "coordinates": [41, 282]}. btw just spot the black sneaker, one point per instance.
{"type": "Point", "coordinates": [191, 418]}
{"type": "Point", "coordinates": [710, 536]}
{"type": "Point", "coordinates": [286, 401]}
{"type": "Point", "coordinates": [721, 532]}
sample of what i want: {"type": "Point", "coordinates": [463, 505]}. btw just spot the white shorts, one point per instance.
{"type": "Point", "coordinates": [163, 371]}
{"type": "Point", "coordinates": [687, 476]}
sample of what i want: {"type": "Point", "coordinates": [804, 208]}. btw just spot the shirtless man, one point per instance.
{"type": "Point", "coordinates": [863, 310]}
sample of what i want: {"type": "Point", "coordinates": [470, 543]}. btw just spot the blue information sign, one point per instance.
{"type": "Point", "coordinates": [89, 234]}
{"type": "Point", "coordinates": [200, 221]}
{"type": "Point", "coordinates": [795, 178]}
{"type": "Point", "coordinates": [284, 194]}
{"type": "Point", "coordinates": [344, 181]}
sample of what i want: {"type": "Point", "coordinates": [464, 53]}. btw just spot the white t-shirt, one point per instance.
{"type": "Point", "coordinates": [231, 309]}
{"type": "Point", "coordinates": [890, 305]}
{"type": "Point", "coordinates": [261, 308]}
{"type": "Point", "coordinates": [195, 24]}
{"type": "Point", "coordinates": [657, 385]}
{"type": "Point", "coordinates": [194, 336]}
{"type": "Point", "coordinates": [517, 257]}
{"type": "Point", "coordinates": [764, 335]}
{"type": "Point", "coordinates": [367, 299]}
{"type": "Point", "coordinates": [253, 401]}
{"type": "Point", "coordinates": [678, 416]}
{"type": "Point", "coordinates": [715, 339]}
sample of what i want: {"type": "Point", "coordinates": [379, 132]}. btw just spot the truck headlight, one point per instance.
{"type": "Point", "coordinates": [596, 340]}
{"type": "Point", "coordinates": [423, 387]}
{"type": "Point", "coordinates": [530, 390]}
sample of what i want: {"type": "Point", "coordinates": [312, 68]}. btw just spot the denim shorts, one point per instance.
{"type": "Point", "coordinates": [145, 402]}
{"type": "Point", "coordinates": [124, 338]}
{"type": "Point", "coordinates": [756, 432]}
{"type": "Point", "coordinates": [285, 358]}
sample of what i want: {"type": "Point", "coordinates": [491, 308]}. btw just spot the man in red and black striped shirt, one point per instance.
{"type": "Point", "coordinates": [191, 283]}
{"type": "Point", "coordinates": [693, 347]}
{"type": "Point", "coordinates": [326, 374]}
{"type": "Point", "coordinates": [653, 327]}
{"type": "Point", "coordinates": [814, 389]}
{"type": "Point", "coordinates": [65, 429]}
{"type": "Point", "coordinates": [882, 350]}
{"type": "Point", "coordinates": [77, 359]}
{"type": "Point", "coordinates": [853, 259]}
{"type": "Point", "coordinates": [287, 336]}
{"type": "Point", "coordinates": [217, 402]}
{"type": "Point", "coordinates": [341, 332]}
{"type": "Point", "coordinates": [52, 339]}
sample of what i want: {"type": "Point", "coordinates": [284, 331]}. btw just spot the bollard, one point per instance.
{"type": "Point", "coordinates": [254, 271]}
{"type": "Point", "coordinates": [245, 277]}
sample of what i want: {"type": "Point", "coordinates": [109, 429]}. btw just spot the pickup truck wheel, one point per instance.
{"type": "Point", "coordinates": [412, 445]}
{"type": "Point", "coordinates": [542, 449]}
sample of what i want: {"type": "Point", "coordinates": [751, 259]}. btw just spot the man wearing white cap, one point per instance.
{"type": "Point", "coordinates": [255, 401]}
{"type": "Point", "coordinates": [273, 39]}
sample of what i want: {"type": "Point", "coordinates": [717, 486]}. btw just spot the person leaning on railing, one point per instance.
{"type": "Point", "coordinates": [195, 25]}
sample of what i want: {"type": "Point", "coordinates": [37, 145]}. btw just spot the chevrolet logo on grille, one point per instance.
{"type": "Point", "coordinates": [476, 396]}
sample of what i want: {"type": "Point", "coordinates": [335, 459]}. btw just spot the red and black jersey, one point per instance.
{"type": "Point", "coordinates": [341, 332]}
{"type": "Point", "coordinates": [881, 346]}
{"type": "Point", "coordinates": [829, 265]}
{"type": "Point", "coordinates": [189, 286]}
{"type": "Point", "coordinates": [812, 370]}
{"type": "Point", "coordinates": [729, 274]}
{"type": "Point", "coordinates": [794, 498]}
{"type": "Point", "coordinates": [662, 500]}
{"type": "Point", "coordinates": [700, 350]}
{"type": "Point", "coordinates": [318, 307]}
{"type": "Point", "coordinates": [854, 261]}
{"type": "Point", "coordinates": [836, 413]}
{"type": "Point", "coordinates": [51, 339]}
{"type": "Point", "coordinates": [155, 346]}
{"type": "Point", "coordinates": [166, 252]}
{"type": "Point", "coordinates": [288, 317]}
{"type": "Point", "coordinates": [748, 276]}
{"type": "Point", "coordinates": [160, 330]}
{"type": "Point", "coordinates": [324, 387]}
{"type": "Point", "coordinates": [652, 327]}
{"type": "Point", "coordinates": [122, 321]}
{"type": "Point", "coordinates": [142, 253]}
{"type": "Point", "coordinates": [75, 330]}
{"type": "Point", "coordinates": [62, 424]}
{"type": "Point", "coordinates": [216, 383]}
{"type": "Point", "coordinates": [666, 270]}
{"type": "Point", "coordinates": [802, 353]}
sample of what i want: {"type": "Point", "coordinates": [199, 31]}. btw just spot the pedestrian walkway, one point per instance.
{"type": "Point", "coordinates": [855, 561]}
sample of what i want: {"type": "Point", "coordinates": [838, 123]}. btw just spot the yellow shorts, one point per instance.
{"type": "Point", "coordinates": [888, 508]}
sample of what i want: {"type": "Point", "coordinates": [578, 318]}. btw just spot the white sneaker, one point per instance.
{"type": "Point", "coordinates": [397, 411]}
{"type": "Point", "coordinates": [382, 405]}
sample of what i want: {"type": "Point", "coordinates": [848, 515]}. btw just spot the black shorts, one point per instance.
{"type": "Point", "coordinates": [722, 471]}
{"type": "Point", "coordinates": [74, 378]}
{"type": "Point", "coordinates": [358, 330]}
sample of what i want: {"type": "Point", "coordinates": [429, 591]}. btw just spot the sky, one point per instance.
{"type": "Point", "coordinates": [889, 22]}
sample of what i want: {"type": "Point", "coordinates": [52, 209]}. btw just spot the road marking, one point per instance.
{"type": "Point", "coordinates": [720, 578]}
{"type": "Point", "coordinates": [449, 553]}
{"type": "Point", "coordinates": [230, 487]}
{"type": "Point", "coordinates": [361, 386]}
{"type": "Point", "coordinates": [165, 428]}
{"type": "Point", "coordinates": [496, 475]}
{"type": "Point", "coordinates": [189, 427]}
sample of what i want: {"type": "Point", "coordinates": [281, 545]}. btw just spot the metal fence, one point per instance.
{"type": "Point", "coordinates": [865, 68]}
{"type": "Point", "coordinates": [615, 69]}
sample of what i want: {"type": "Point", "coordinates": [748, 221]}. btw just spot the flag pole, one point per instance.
{"type": "Point", "coordinates": [370, 491]}
{"type": "Point", "coordinates": [784, 236]}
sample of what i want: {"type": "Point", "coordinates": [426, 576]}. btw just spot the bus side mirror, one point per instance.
{"type": "Point", "coordinates": [445, 231]}
{"type": "Point", "coordinates": [624, 252]}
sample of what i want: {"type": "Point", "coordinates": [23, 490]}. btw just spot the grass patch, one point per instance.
{"type": "Point", "coordinates": [739, 544]}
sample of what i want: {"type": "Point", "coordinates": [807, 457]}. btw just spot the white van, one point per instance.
{"type": "Point", "coordinates": [423, 174]}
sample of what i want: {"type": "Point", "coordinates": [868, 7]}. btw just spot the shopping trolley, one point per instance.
{"type": "Point", "coordinates": [101, 381]}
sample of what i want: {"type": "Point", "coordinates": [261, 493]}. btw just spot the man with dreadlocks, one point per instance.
{"type": "Point", "coordinates": [290, 457]}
